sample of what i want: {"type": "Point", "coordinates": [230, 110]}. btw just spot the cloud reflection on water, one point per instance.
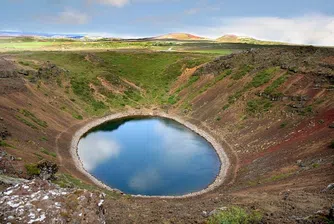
{"type": "Point", "coordinates": [94, 151]}
{"type": "Point", "coordinates": [145, 180]}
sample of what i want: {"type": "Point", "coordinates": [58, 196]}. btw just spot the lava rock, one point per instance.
{"type": "Point", "coordinates": [47, 170]}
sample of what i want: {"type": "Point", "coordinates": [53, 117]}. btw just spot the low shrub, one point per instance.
{"type": "Point", "coordinates": [258, 106]}
{"type": "Point", "coordinates": [32, 169]}
{"type": "Point", "coordinates": [235, 215]}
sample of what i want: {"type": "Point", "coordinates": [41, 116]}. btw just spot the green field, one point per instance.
{"type": "Point", "coordinates": [36, 44]}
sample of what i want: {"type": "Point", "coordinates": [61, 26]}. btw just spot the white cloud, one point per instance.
{"type": "Point", "coordinates": [121, 3]}
{"type": "Point", "coordinates": [116, 3]}
{"type": "Point", "coordinates": [179, 146]}
{"type": "Point", "coordinates": [95, 150]}
{"type": "Point", "coordinates": [316, 29]}
{"type": "Point", "coordinates": [145, 180]}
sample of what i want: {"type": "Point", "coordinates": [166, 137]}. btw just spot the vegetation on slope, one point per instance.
{"type": "Point", "coordinates": [112, 79]}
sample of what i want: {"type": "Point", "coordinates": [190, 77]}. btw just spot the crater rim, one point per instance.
{"type": "Point", "coordinates": [217, 147]}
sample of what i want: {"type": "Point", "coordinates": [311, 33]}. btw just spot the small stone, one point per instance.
{"type": "Point", "coordinates": [330, 186]}
{"type": "Point", "coordinates": [331, 213]}
{"type": "Point", "coordinates": [300, 163]}
{"type": "Point", "coordinates": [331, 125]}
{"type": "Point", "coordinates": [204, 214]}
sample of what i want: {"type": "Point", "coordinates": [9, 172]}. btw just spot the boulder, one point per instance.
{"type": "Point", "coordinates": [47, 170]}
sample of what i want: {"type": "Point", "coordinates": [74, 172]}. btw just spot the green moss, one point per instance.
{"type": "Point", "coordinates": [32, 169]}
{"type": "Point", "coordinates": [276, 84]}
{"type": "Point", "coordinates": [26, 122]}
{"type": "Point", "coordinates": [222, 76]}
{"type": "Point", "coordinates": [47, 152]}
{"type": "Point", "coordinates": [258, 106]}
{"type": "Point", "coordinates": [3, 143]}
{"type": "Point", "coordinates": [25, 63]}
{"type": "Point", "coordinates": [30, 115]}
{"type": "Point", "coordinates": [242, 72]}
{"type": "Point", "coordinates": [278, 177]}
{"type": "Point", "coordinates": [77, 116]}
{"type": "Point", "coordinates": [226, 106]}
{"type": "Point", "coordinates": [263, 77]}
{"type": "Point", "coordinates": [232, 99]}
{"type": "Point", "coordinates": [284, 124]}
{"type": "Point", "coordinates": [315, 165]}
{"type": "Point", "coordinates": [39, 156]}
{"type": "Point", "coordinates": [306, 111]}
{"type": "Point", "coordinates": [43, 139]}
{"type": "Point", "coordinates": [235, 215]}
{"type": "Point", "coordinates": [172, 99]}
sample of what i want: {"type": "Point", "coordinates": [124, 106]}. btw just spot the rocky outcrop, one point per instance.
{"type": "Point", "coordinates": [4, 133]}
{"type": "Point", "coordinates": [47, 170]}
{"type": "Point", "coordinates": [40, 201]}
{"type": "Point", "coordinates": [308, 60]}
{"type": "Point", "coordinates": [49, 71]}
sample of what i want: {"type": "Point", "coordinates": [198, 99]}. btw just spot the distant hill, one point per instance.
{"type": "Point", "coordinates": [230, 38]}
{"type": "Point", "coordinates": [178, 36]}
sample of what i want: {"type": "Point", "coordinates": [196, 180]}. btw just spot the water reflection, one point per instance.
{"type": "Point", "coordinates": [96, 150]}
{"type": "Point", "coordinates": [150, 156]}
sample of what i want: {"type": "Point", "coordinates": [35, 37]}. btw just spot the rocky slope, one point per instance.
{"type": "Point", "coordinates": [271, 109]}
{"type": "Point", "coordinates": [39, 201]}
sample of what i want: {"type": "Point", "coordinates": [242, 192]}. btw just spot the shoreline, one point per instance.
{"type": "Point", "coordinates": [224, 161]}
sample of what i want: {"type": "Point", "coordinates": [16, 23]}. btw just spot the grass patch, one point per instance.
{"type": "Point", "coordinates": [306, 111]}
{"type": "Point", "coordinates": [276, 84]}
{"type": "Point", "coordinates": [258, 106]}
{"type": "Point", "coordinates": [235, 215]}
{"type": "Point", "coordinates": [25, 63]}
{"type": "Point", "coordinates": [39, 156]}
{"type": "Point", "coordinates": [67, 181]}
{"type": "Point", "coordinates": [284, 124]}
{"type": "Point", "coordinates": [232, 99]}
{"type": "Point", "coordinates": [30, 115]}
{"type": "Point", "coordinates": [242, 72]}
{"type": "Point", "coordinates": [172, 100]}
{"type": "Point", "coordinates": [32, 169]}
{"type": "Point", "coordinates": [44, 139]}
{"type": "Point", "coordinates": [191, 81]}
{"type": "Point", "coordinates": [275, 177]}
{"type": "Point", "coordinates": [47, 152]}
{"type": "Point", "coordinates": [3, 143]}
{"type": "Point", "coordinates": [315, 165]}
{"type": "Point", "coordinates": [26, 122]}
{"type": "Point", "coordinates": [278, 177]}
{"type": "Point", "coordinates": [226, 106]}
{"type": "Point", "coordinates": [77, 116]}
{"type": "Point", "coordinates": [263, 77]}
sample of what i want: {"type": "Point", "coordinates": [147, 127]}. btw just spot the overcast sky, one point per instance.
{"type": "Point", "coordinates": [296, 21]}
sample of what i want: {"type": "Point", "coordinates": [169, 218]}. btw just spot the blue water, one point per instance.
{"type": "Point", "coordinates": [149, 156]}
